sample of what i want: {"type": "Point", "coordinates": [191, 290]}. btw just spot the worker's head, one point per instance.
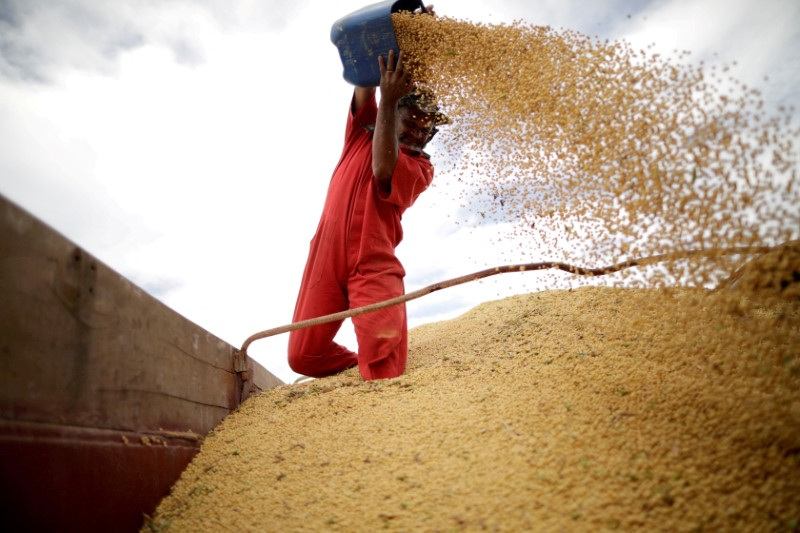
{"type": "Point", "coordinates": [418, 118]}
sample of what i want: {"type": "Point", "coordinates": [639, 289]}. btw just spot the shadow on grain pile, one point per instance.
{"type": "Point", "coordinates": [595, 408]}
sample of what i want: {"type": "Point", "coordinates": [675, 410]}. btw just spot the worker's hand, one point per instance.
{"type": "Point", "coordinates": [395, 80]}
{"type": "Point", "coordinates": [428, 10]}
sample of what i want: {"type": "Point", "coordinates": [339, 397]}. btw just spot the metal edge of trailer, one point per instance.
{"type": "Point", "coordinates": [105, 392]}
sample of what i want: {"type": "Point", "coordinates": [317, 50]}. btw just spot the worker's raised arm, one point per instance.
{"type": "Point", "coordinates": [360, 96]}
{"type": "Point", "coordinates": [395, 83]}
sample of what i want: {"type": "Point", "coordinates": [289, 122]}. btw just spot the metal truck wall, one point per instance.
{"type": "Point", "coordinates": [105, 393]}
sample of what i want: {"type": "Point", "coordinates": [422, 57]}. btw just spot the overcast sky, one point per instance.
{"type": "Point", "coordinates": [188, 144]}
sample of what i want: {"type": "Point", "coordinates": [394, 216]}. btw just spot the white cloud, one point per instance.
{"type": "Point", "coordinates": [41, 39]}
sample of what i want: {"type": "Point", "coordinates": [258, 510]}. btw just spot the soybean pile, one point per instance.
{"type": "Point", "coordinates": [596, 153]}
{"type": "Point", "coordinates": [592, 409]}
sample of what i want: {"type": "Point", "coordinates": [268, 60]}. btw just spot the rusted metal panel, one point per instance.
{"type": "Point", "coordinates": [60, 478]}
{"type": "Point", "coordinates": [90, 356]}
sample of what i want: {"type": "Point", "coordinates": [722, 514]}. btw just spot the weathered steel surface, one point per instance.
{"type": "Point", "coordinates": [62, 478]}
{"type": "Point", "coordinates": [87, 358]}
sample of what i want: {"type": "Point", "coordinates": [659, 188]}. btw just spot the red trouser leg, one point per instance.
{"type": "Point", "coordinates": [382, 335]}
{"type": "Point", "coordinates": [312, 351]}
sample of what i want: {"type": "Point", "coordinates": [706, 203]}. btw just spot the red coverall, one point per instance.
{"type": "Point", "coordinates": [352, 263]}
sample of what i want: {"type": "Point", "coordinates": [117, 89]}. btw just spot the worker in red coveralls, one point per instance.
{"type": "Point", "coordinates": [352, 261]}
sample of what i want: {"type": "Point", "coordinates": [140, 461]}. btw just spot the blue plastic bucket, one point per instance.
{"type": "Point", "coordinates": [365, 34]}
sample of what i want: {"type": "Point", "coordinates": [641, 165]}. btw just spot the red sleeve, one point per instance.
{"type": "Point", "coordinates": [365, 116]}
{"type": "Point", "coordinates": [412, 175]}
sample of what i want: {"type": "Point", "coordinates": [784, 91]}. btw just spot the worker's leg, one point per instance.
{"type": "Point", "coordinates": [382, 335]}
{"type": "Point", "coordinates": [312, 351]}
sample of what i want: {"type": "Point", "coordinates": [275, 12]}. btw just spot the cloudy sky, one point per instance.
{"type": "Point", "coordinates": [188, 143]}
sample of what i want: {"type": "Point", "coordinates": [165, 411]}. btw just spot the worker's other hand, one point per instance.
{"type": "Point", "coordinates": [395, 80]}
{"type": "Point", "coordinates": [428, 10]}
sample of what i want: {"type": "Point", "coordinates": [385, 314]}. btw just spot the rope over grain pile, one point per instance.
{"type": "Point", "coordinates": [505, 269]}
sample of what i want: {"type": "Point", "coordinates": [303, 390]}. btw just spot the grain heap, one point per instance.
{"type": "Point", "coordinates": [583, 410]}
{"type": "Point", "coordinates": [599, 154]}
